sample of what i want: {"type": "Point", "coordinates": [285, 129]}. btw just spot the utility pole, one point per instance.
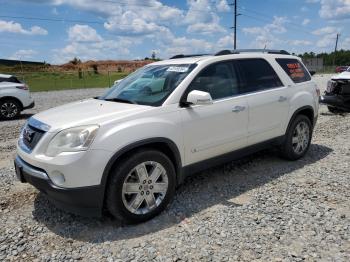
{"type": "Point", "coordinates": [234, 27]}
{"type": "Point", "coordinates": [335, 49]}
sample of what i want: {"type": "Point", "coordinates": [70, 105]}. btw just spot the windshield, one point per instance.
{"type": "Point", "coordinates": [150, 85]}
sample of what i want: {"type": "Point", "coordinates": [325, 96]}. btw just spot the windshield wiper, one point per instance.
{"type": "Point", "coordinates": [120, 100]}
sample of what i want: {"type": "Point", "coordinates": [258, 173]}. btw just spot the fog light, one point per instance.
{"type": "Point", "coordinates": [57, 178]}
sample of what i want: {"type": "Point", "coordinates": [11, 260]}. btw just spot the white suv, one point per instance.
{"type": "Point", "coordinates": [127, 151]}
{"type": "Point", "coordinates": [14, 97]}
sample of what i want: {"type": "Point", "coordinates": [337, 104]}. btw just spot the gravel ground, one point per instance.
{"type": "Point", "coordinates": [260, 208]}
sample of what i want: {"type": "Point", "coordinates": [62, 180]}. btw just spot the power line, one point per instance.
{"type": "Point", "coordinates": [52, 19]}
{"type": "Point", "coordinates": [270, 20]}
{"type": "Point", "coordinates": [308, 30]}
{"type": "Point", "coordinates": [153, 6]}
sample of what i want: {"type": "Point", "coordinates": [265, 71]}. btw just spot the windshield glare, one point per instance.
{"type": "Point", "coordinates": [150, 85]}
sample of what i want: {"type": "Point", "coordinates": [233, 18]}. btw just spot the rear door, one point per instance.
{"type": "Point", "coordinates": [267, 99]}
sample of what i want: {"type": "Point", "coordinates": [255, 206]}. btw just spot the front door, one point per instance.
{"type": "Point", "coordinates": [219, 128]}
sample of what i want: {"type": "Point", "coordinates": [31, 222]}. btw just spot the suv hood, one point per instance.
{"type": "Point", "coordinates": [86, 112]}
{"type": "Point", "coordinates": [342, 76]}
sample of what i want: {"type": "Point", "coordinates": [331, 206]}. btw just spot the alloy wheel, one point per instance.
{"type": "Point", "coordinates": [145, 187]}
{"type": "Point", "coordinates": [9, 109]}
{"type": "Point", "coordinates": [301, 137]}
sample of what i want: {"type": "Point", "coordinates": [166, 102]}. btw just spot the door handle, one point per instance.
{"type": "Point", "coordinates": [238, 109]}
{"type": "Point", "coordinates": [282, 99]}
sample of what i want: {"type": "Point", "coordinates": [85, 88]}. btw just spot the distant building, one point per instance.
{"type": "Point", "coordinates": [7, 62]}
{"type": "Point", "coordinates": [313, 64]}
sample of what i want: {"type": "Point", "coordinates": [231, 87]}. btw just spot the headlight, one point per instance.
{"type": "Point", "coordinates": [330, 86]}
{"type": "Point", "coordinates": [72, 140]}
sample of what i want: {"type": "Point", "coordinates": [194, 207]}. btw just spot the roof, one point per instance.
{"type": "Point", "coordinates": [5, 76]}
{"type": "Point", "coordinates": [206, 58]}
{"type": "Point", "coordinates": [179, 61]}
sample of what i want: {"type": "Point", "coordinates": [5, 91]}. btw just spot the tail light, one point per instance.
{"type": "Point", "coordinates": [23, 87]}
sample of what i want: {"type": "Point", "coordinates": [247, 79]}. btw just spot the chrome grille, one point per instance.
{"type": "Point", "coordinates": [31, 134]}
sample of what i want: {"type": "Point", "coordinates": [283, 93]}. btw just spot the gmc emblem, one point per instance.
{"type": "Point", "coordinates": [28, 135]}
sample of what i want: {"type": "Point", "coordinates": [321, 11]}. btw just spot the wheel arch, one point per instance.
{"type": "Point", "coordinates": [308, 111]}
{"type": "Point", "coordinates": [4, 98]}
{"type": "Point", "coordinates": [164, 145]}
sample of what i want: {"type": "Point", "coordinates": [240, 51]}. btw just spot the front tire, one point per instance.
{"type": "Point", "coordinates": [298, 138]}
{"type": "Point", "coordinates": [9, 109]}
{"type": "Point", "coordinates": [141, 186]}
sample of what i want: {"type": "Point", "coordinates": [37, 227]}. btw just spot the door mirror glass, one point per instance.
{"type": "Point", "coordinates": [312, 72]}
{"type": "Point", "coordinates": [196, 97]}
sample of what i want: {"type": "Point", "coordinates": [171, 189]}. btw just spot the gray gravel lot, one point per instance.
{"type": "Point", "coordinates": [261, 208]}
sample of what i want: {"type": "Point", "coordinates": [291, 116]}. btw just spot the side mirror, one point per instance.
{"type": "Point", "coordinates": [196, 97]}
{"type": "Point", "coordinates": [312, 72]}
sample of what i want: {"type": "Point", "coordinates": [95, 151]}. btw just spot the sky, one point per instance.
{"type": "Point", "coordinates": [56, 31]}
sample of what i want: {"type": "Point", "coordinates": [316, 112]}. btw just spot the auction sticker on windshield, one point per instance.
{"type": "Point", "coordinates": [178, 69]}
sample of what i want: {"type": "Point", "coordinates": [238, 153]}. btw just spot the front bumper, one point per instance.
{"type": "Point", "coordinates": [86, 201]}
{"type": "Point", "coordinates": [336, 101]}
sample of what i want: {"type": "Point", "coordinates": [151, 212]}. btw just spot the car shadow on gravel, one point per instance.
{"type": "Point", "coordinates": [216, 186]}
{"type": "Point", "coordinates": [20, 117]}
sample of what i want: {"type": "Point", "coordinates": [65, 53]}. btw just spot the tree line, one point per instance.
{"type": "Point", "coordinates": [341, 57]}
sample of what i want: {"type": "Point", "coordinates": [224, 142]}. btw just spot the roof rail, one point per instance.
{"type": "Point", "coordinates": [239, 51]}
{"type": "Point", "coordinates": [184, 56]}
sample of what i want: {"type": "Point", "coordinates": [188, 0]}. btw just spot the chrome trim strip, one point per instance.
{"type": "Point", "coordinates": [30, 170]}
{"type": "Point", "coordinates": [37, 124]}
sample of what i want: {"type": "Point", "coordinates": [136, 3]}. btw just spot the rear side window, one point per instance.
{"type": "Point", "coordinates": [257, 75]}
{"type": "Point", "coordinates": [296, 70]}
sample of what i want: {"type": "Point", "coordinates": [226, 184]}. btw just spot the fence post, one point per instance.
{"type": "Point", "coordinates": [84, 79]}
{"type": "Point", "coordinates": [109, 80]}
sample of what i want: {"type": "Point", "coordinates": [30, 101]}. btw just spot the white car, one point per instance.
{"type": "Point", "coordinates": [14, 97]}
{"type": "Point", "coordinates": [128, 150]}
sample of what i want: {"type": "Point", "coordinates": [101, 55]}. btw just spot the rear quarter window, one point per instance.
{"type": "Point", "coordinates": [11, 79]}
{"type": "Point", "coordinates": [294, 69]}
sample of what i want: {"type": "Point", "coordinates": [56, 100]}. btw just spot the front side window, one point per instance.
{"type": "Point", "coordinates": [294, 69]}
{"type": "Point", "coordinates": [219, 80]}
{"type": "Point", "coordinates": [257, 75]}
{"type": "Point", "coordinates": [150, 85]}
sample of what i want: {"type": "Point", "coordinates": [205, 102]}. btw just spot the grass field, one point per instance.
{"type": "Point", "coordinates": [47, 81]}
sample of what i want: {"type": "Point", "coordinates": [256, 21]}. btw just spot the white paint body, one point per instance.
{"type": "Point", "coordinates": [200, 132]}
{"type": "Point", "coordinates": [10, 90]}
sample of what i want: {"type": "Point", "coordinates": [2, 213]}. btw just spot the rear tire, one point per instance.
{"type": "Point", "coordinates": [141, 186]}
{"type": "Point", "coordinates": [9, 109]}
{"type": "Point", "coordinates": [298, 138]}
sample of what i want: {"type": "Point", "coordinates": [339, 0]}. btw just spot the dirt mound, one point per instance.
{"type": "Point", "coordinates": [105, 65]}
